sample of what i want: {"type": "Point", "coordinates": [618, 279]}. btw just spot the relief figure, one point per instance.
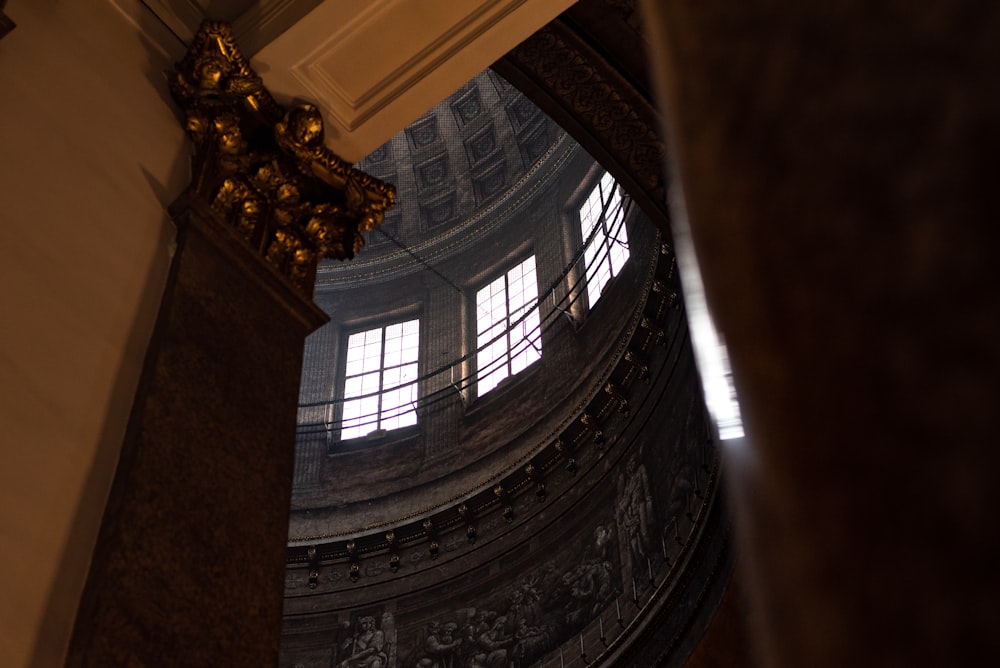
{"type": "Point", "coordinates": [635, 511]}
{"type": "Point", "coordinates": [367, 648]}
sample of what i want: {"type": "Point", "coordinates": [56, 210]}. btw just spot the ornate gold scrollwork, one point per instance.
{"type": "Point", "coordinates": [265, 168]}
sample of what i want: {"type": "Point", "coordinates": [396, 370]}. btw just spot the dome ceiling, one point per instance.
{"type": "Point", "coordinates": [460, 158]}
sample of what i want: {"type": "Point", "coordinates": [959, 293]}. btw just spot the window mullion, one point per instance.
{"type": "Point", "coordinates": [603, 254]}
{"type": "Point", "coordinates": [381, 379]}
{"type": "Point", "coordinates": [606, 242]}
{"type": "Point", "coordinates": [509, 323]}
{"type": "Point", "coordinates": [509, 287]}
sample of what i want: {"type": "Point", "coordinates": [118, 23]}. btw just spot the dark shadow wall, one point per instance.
{"type": "Point", "coordinates": [834, 163]}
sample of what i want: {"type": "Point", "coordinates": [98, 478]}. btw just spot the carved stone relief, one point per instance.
{"type": "Point", "coordinates": [579, 88]}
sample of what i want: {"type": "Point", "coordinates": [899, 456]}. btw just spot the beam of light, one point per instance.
{"type": "Point", "coordinates": [710, 351]}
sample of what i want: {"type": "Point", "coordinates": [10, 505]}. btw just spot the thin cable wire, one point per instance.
{"type": "Point", "coordinates": [417, 258]}
{"type": "Point", "coordinates": [546, 323]}
{"type": "Point", "coordinates": [438, 396]}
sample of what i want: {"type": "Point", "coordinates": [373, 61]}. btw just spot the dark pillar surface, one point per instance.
{"type": "Point", "coordinates": [189, 566]}
{"type": "Point", "coordinates": [837, 162]}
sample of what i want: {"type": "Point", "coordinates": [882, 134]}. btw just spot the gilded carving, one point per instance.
{"type": "Point", "coordinates": [265, 169]}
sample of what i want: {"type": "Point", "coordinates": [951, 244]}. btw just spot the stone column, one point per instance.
{"type": "Point", "coordinates": [443, 325]}
{"type": "Point", "coordinates": [189, 566]}
{"type": "Point", "coordinates": [834, 160]}
{"type": "Point", "coordinates": [315, 394]}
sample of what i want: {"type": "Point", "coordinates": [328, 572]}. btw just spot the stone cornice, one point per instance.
{"type": "Point", "coordinates": [585, 94]}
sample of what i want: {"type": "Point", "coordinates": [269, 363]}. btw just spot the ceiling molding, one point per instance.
{"type": "Point", "coordinates": [154, 28]}
{"type": "Point", "coordinates": [584, 92]}
{"type": "Point", "coordinates": [354, 94]}
{"type": "Point", "coordinates": [262, 23]}
{"type": "Point", "coordinates": [372, 66]}
{"type": "Point", "coordinates": [254, 23]}
{"type": "Point", "coordinates": [337, 56]}
{"type": "Point", "coordinates": [181, 17]}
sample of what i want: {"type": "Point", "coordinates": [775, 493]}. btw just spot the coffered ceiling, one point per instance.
{"type": "Point", "coordinates": [373, 66]}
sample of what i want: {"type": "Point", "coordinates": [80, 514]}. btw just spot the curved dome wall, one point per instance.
{"type": "Point", "coordinates": [630, 532]}
{"type": "Point", "coordinates": [462, 443]}
{"type": "Point", "coordinates": [568, 504]}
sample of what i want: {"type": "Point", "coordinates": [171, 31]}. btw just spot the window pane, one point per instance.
{"type": "Point", "coordinates": [506, 318]}
{"type": "Point", "coordinates": [372, 354]}
{"type": "Point", "coordinates": [408, 373]}
{"type": "Point", "coordinates": [527, 344]}
{"type": "Point", "coordinates": [354, 367]}
{"type": "Point", "coordinates": [360, 417]}
{"type": "Point", "coordinates": [491, 380]}
{"type": "Point", "coordinates": [491, 332]}
{"type": "Point", "coordinates": [399, 404]}
{"type": "Point", "coordinates": [390, 379]}
{"type": "Point", "coordinates": [498, 305]}
{"type": "Point", "coordinates": [603, 214]}
{"type": "Point", "coordinates": [370, 384]}
{"type": "Point", "coordinates": [351, 425]}
{"type": "Point", "coordinates": [380, 388]}
{"type": "Point", "coordinates": [353, 387]}
{"type": "Point", "coordinates": [593, 292]}
{"type": "Point", "coordinates": [410, 344]}
{"type": "Point", "coordinates": [394, 331]}
{"type": "Point", "coordinates": [590, 213]}
{"type": "Point", "coordinates": [355, 348]}
{"type": "Point", "coordinates": [619, 253]}
{"type": "Point", "coordinates": [393, 349]}
{"type": "Point", "coordinates": [590, 256]}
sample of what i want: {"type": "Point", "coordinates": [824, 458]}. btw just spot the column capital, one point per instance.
{"type": "Point", "coordinates": [264, 168]}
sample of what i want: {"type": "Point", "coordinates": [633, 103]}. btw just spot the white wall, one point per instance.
{"type": "Point", "coordinates": [91, 154]}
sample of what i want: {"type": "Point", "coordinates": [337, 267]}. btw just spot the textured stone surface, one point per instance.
{"type": "Point", "coordinates": [453, 164]}
{"type": "Point", "coordinates": [835, 162]}
{"type": "Point", "coordinates": [588, 93]}
{"type": "Point", "coordinates": [726, 642]}
{"type": "Point", "coordinates": [189, 563]}
{"type": "Point", "coordinates": [459, 448]}
{"type": "Point", "coordinates": [563, 561]}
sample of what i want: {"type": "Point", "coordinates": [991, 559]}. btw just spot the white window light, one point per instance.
{"type": "Point", "coordinates": [508, 329]}
{"type": "Point", "coordinates": [380, 383]}
{"type": "Point", "coordinates": [710, 351]}
{"type": "Point", "coordinates": [603, 216]}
